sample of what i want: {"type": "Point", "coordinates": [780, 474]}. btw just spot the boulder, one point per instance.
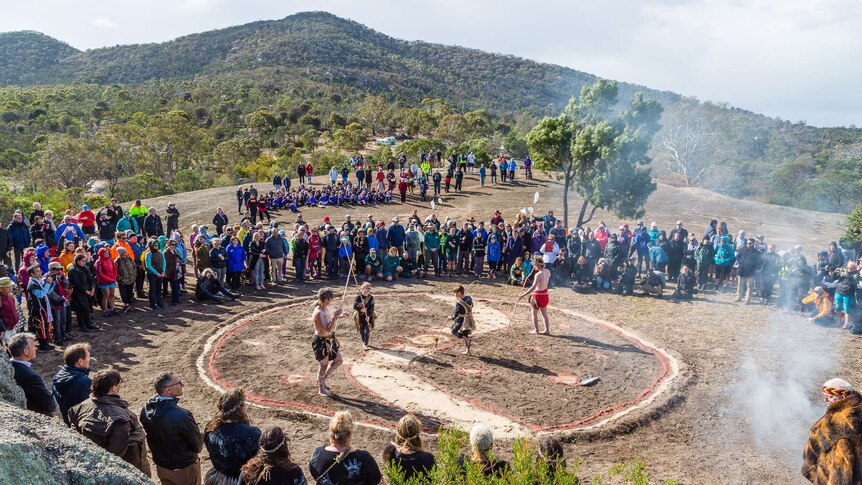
{"type": "Point", "coordinates": [9, 391]}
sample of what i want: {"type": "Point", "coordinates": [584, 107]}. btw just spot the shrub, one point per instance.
{"type": "Point", "coordinates": [526, 468]}
{"type": "Point", "coordinates": [142, 186]}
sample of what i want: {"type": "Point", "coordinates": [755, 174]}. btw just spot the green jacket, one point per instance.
{"type": "Point", "coordinates": [432, 240]}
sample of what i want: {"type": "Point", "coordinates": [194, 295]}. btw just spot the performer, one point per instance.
{"type": "Point", "coordinates": [463, 317]}
{"type": "Point", "coordinates": [834, 450]}
{"type": "Point", "coordinates": [364, 315]}
{"type": "Point", "coordinates": [539, 299]}
{"type": "Point", "coordinates": [324, 344]}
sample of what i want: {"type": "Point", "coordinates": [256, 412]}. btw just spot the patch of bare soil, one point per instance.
{"type": "Point", "coordinates": [696, 442]}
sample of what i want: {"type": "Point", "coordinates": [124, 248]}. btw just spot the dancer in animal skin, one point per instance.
{"type": "Point", "coordinates": [324, 344]}
{"type": "Point", "coordinates": [833, 454]}
{"type": "Point", "coordinates": [462, 317]}
{"type": "Point", "coordinates": [539, 298]}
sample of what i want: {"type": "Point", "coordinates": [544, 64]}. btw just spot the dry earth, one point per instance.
{"type": "Point", "coordinates": [732, 424]}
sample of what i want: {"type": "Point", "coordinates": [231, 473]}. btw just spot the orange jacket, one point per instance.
{"type": "Point", "coordinates": [822, 301]}
{"type": "Point", "coordinates": [121, 244]}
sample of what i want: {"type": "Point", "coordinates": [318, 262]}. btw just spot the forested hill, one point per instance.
{"type": "Point", "coordinates": [29, 57]}
{"type": "Point", "coordinates": [315, 45]}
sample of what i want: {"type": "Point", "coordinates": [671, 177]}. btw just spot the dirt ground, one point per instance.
{"type": "Point", "coordinates": [706, 438]}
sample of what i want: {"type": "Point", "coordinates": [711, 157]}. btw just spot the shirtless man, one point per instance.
{"type": "Point", "coordinates": [324, 344]}
{"type": "Point", "coordinates": [462, 317]}
{"type": "Point", "coordinates": [539, 298]}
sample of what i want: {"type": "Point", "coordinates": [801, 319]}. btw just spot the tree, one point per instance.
{"type": "Point", "coordinates": [66, 162]}
{"type": "Point", "coordinates": [235, 153]}
{"type": "Point", "coordinates": [853, 235]}
{"type": "Point", "coordinates": [352, 137]}
{"type": "Point", "coordinates": [479, 122]}
{"type": "Point", "coordinates": [452, 130]}
{"type": "Point", "coordinates": [599, 157]}
{"type": "Point", "coordinates": [686, 142]}
{"type": "Point", "coordinates": [373, 113]}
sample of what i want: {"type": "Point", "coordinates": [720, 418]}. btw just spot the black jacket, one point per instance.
{"type": "Point", "coordinates": [172, 433]}
{"type": "Point", "coordinates": [38, 398]}
{"type": "Point", "coordinates": [153, 226]}
{"type": "Point", "coordinates": [5, 242]}
{"type": "Point", "coordinates": [231, 445]}
{"type": "Point", "coordinates": [70, 386]}
{"type": "Point", "coordinates": [211, 285]}
{"type": "Point", "coordinates": [80, 280]}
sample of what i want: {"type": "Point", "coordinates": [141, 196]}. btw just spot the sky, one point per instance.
{"type": "Point", "coordinates": [793, 59]}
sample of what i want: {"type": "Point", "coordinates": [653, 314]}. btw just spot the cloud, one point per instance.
{"type": "Point", "coordinates": [104, 23]}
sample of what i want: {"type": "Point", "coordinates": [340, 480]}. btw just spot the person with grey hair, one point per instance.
{"type": "Point", "coordinates": [481, 442]}
{"type": "Point", "coordinates": [172, 433]}
{"type": "Point", "coordinates": [22, 347]}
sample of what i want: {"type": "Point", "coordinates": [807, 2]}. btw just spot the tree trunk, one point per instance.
{"type": "Point", "coordinates": [582, 213]}
{"type": "Point", "coordinates": [566, 184]}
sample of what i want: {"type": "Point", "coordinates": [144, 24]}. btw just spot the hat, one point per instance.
{"type": "Point", "coordinates": [836, 387]}
{"type": "Point", "coordinates": [640, 223]}
{"type": "Point", "coordinates": [125, 213]}
{"type": "Point", "coordinates": [818, 289]}
{"type": "Point", "coordinates": [325, 218]}
{"type": "Point", "coordinates": [138, 202]}
{"type": "Point", "coordinates": [281, 232]}
{"type": "Point", "coordinates": [678, 222]}
{"type": "Point", "coordinates": [85, 207]}
{"type": "Point", "coordinates": [653, 224]}
{"type": "Point", "coordinates": [395, 219]}
{"type": "Point", "coordinates": [55, 265]}
{"type": "Point", "coordinates": [6, 282]}
{"type": "Point", "coordinates": [372, 250]}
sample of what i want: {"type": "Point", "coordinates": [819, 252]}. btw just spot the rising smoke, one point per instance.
{"type": "Point", "coordinates": [774, 397]}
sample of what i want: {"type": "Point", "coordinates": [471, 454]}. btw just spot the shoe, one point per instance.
{"type": "Point", "coordinates": [161, 305]}
{"type": "Point", "coordinates": [92, 327]}
{"type": "Point", "coordinates": [154, 307]}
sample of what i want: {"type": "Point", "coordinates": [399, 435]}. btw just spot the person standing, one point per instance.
{"type": "Point", "coordinates": [172, 215]}
{"type": "Point", "coordinates": [154, 261]}
{"type": "Point", "coordinates": [71, 384]}
{"type": "Point", "coordinates": [339, 462]}
{"type": "Point", "coordinates": [462, 317]}
{"type": "Point", "coordinates": [833, 454]}
{"type": "Point", "coordinates": [538, 292]}
{"type": "Point", "coordinates": [19, 237]}
{"type": "Point", "coordinates": [301, 248]}
{"type": "Point", "coordinates": [106, 420]}
{"type": "Point", "coordinates": [220, 221]}
{"type": "Point", "coordinates": [153, 226]}
{"type": "Point", "coordinates": [218, 259]}
{"type": "Point", "coordinates": [172, 433]}
{"type": "Point", "coordinates": [22, 347]}
{"type": "Point", "coordinates": [365, 315]}
{"type": "Point", "coordinates": [324, 344]}
{"type": "Point", "coordinates": [230, 439]}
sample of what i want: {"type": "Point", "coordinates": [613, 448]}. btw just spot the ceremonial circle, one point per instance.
{"type": "Point", "coordinates": [588, 375]}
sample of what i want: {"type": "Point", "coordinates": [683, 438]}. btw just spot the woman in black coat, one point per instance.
{"type": "Point", "coordinates": [83, 285]}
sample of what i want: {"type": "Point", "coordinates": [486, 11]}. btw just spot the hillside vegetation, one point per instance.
{"type": "Point", "coordinates": [290, 84]}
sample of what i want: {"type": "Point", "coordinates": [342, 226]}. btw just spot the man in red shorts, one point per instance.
{"type": "Point", "coordinates": [539, 298]}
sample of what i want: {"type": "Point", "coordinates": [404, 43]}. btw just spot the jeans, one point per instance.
{"type": "Point", "coordinates": [258, 273]}
{"type": "Point", "coordinates": [220, 272]}
{"type": "Point", "coordinates": [175, 291]}
{"type": "Point", "coordinates": [463, 260]}
{"type": "Point", "coordinates": [59, 315]}
{"type": "Point", "coordinates": [332, 263]}
{"type": "Point", "coordinates": [208, 296]}
{"type": "Point", "coordinates": [233, 279]}
{"type": "Point", "coordinates": [602, 284]}
{"type": "Point", "coordinates": [139, 281]}
{"type": "Point", "coordinates": [478, 264]}
{"type": "Point", "coordinates": [299, 264]}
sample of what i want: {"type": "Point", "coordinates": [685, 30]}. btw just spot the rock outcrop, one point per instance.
{"type": "Point", "coordinates": [38, 450]}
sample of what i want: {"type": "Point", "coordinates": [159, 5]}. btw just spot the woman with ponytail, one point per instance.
{"type": "Point", "coordinates": [338, 463]}
{"type": "Point", "coordinates": [406, 453]}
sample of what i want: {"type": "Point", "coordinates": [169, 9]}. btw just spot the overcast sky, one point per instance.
{"type": "Point", "coordinates": [795, 59]}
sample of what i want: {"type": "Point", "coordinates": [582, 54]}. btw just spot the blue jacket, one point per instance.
{"type": "Point", "coordinates": [723, 255]}
{"type": "Point", "coordinates": [395, 235]}
{"type": "Point", "coordinates": [494, 250]}
{"type": "Point", "coordinates": [345, 251]}
{"type": "Point", "coordinates": [235, 258]}
{"type": "Point", "coordinates": [127, 223]}
{"type": "Point", "coordinates": [19, 234]}
{"type": "Point", "coordinates": [657, 255]}
{"type": "Point", "coordinates": [641, 242]}
{"type": "Point", "coordinates": [70, 386]}
{"type": "Point", "coordinates": [76, 231]}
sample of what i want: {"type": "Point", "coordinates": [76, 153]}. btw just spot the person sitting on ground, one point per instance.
{"type": "Point", "coordinates": [686, 285]}
{"type": "Point", "coordinates": [406, 452]}
{"type": "Point", "coordinates": [338, 462]}
{"type": "Point", "coordinates": [272, 464]}
{"type": "Point", "coordinates": [603, 274]}
{"type": "Point", "coordinates": [551, 451]}
{"type": "Point", "coordinates": [106, 420]}
{"type": "Point", "coordinates": [22, 347]}
{"type": "Point", "coordinates": [481, 442]}
{"type": "Point", "coordinates": [230, 438]}
{"type": "Point", "coordinates": [821, 301]}
{"type": "Point", "coordinates": [392, 265]}
{"type": "Point", "coordinates": [209, 287]}
{"type": "Point", "coordinates": [516, 275]}
{"type": "Point", "coordinates": [71, 385]}
{"type": "Point", "coordinates": [626, 286]}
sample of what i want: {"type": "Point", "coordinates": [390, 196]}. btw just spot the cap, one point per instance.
{"type": "Point", "coordinates": [281, 232]}
{"type": "Point", "coordinates": [678, 222]}
{"type": "Point", "coordinates": [55, 265]}
{"type": "Point", "coordinates": [85, 207]}
{"type": "Point", "coordinates": [395, 219]}
{"type": "Point", "coordinates": [6, 282]}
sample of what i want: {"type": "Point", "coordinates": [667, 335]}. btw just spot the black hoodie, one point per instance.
{"type": "Point", "coordinates": [172, 433]}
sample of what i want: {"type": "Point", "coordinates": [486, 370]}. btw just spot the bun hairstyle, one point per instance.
{"type": "Point", "coordinates": [341, 428]}
{"type": "Point", "coordinates": [407, 434]}
{"type": "Point", "coordinates": [274, 452]}
{"type": "Point", "coordinates": [325, 294]}
{"type": "Point", "coordinates": [481, 442]}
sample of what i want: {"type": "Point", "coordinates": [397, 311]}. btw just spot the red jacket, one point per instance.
{"type": "Point", "coordinates": [402, 186]}
{"type": "Point", "coordinates": [86, 218]}
{"type": "Point", "coordinates": [106, 269]}
{"type": "Point", "coordinates": [8, 312]}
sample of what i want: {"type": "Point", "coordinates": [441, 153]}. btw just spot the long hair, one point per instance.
{"type": "Point", "coordinates": [273, 453]}
{"type": "Point", "coordinates": [230, 407]}
{"type": "Point", "coordinates": [407, 436]}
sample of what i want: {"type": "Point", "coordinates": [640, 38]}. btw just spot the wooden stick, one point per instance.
{"type": "Point", "coordinates": [518, 301]}
{"type": "Point", "coordinates": [349, 272]}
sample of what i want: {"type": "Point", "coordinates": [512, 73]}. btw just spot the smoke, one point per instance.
{"type": "Point", "coordinates": [774, 394]}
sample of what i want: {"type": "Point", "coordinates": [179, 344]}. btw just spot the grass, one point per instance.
{"type": "Point", "coordinates": [525, 468]}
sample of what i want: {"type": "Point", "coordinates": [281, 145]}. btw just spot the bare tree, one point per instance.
{"type": "Point", "coordinates": [686, 142]}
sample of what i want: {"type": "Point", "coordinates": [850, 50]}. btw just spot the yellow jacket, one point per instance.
{"type": "Point", "coordinates": [822, 301]}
